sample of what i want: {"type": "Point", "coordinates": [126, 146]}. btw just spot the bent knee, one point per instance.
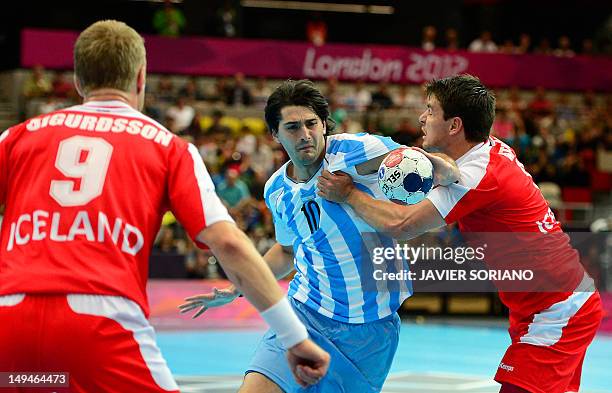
{"type": "Point", "coordinates": [255, 382]}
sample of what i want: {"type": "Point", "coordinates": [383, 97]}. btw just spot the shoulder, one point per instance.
{"type": "Point", "coordinates": [476, 165]}
{"type": "Point", "coordinates": [9, 135]}
{"type": "Point", "coordinates": [344, 143]}
{"type": "Point", "coordinates": [275, 182]}
{"type": "Point", "coordinates": [14, 132]}
{"type": "Point", "coordinates": [349, 150]}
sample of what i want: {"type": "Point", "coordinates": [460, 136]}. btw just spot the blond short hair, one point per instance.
{"type": "Point", "coordinates": [108, 54]}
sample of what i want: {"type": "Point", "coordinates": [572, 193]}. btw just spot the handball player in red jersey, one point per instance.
{"type": "Point", "coordinates": [84, 191]}
{"type": "Point", "coordinates": [551, 323]}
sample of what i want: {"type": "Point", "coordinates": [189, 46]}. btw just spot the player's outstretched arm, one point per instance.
{"type": "Point", "coordinates": [405, 221]}
{"type": "Point", "coordinates": [242, 263]}
{"type": "Point", "coordinates": [279, 259]}
{"type": "Point", "coordinates": [216, 298]}
{"type": "Point", "coordinates": [249, 272]}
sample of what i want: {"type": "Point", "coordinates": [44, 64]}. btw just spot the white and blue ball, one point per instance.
{"type": "Point", "coordinates": [406, 175]}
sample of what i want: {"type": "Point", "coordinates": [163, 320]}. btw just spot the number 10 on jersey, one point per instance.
{"type": "Point", "coordinates": [313, 214]}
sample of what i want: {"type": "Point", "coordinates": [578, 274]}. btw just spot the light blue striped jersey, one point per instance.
{"type": "Point", "coordinates": [333, 272]}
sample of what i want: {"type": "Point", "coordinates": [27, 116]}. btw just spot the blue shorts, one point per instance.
{"type": "Point", "coordinates": [361, 354]}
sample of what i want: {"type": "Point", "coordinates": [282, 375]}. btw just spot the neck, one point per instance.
{"type": "Point", "coordinates": [112, 95]}
{"type": "Point", "coordinates": [304, 173]}
{"type": "Point", "coordinates": [456, 151]}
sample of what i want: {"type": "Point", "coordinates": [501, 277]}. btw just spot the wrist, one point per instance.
{"type": "Point", "coordinates": [352, 196]}
{"type": "Point", "coordinates": [285, 323]}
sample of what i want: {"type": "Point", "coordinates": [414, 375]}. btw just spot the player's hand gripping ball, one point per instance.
{"type": "Point", "coordinates": [406, 176]}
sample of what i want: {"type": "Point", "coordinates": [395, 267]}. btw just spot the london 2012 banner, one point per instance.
{"type": "Point", "coordinates": [372, 63]}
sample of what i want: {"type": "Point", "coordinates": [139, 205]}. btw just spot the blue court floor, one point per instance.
{"type": "Point", "coordinates": [431, 357]}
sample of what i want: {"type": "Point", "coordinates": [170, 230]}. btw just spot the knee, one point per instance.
{"type": "Point", "coordinates": [258, 383]}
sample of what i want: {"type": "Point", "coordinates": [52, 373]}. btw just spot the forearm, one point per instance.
{"type": "Point", "coordinates": [400, 221]}
{"type": "Point", "coordinates": [279, 260]}
{"type": "Point", "coordinates": [383, 215]}
{"type": "Point", "coordinates": [252, 276]}
{"type": "Point", "coordinates": [245, 267]}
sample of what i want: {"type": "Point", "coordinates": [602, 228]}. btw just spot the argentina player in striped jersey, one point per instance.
{"type": "Point", "coordinates": [324, 242]}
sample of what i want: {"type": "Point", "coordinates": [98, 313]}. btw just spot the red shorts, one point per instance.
{"type": "Point", "coordinates": [105, 343]}
{"type": "Point", "coordinates": [548, 358]}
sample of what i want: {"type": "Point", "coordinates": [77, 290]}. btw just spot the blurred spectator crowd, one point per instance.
{"type": "Point", "coordinates": [523, 44]}
{"type": "Point", "coordinates": [563, 139]}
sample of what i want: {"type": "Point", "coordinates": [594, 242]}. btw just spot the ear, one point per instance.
{"type": "Point", "coordinates": [324, 128]}
{"type": "Point", "coordinates": [275, 137]}
{"type": "Point", "coordinates": [77, 85]}
{"type": "Point", "coordinates": [141, 79]}
{"type": "Point", "coordinates": [456, 126]}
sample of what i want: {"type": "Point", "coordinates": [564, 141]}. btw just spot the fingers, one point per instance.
{"type": "Point", "coordinates": [426, 153]}
{"type": "Point", "coordinates": [323, 188]}
{"type": "Point", "coordinates": [185, 308]}
{"type": "Point", "coordinates": [323, 185]}
{"type": "Point", "coordinates": [325, 174]}
{"type": "Point", "coordinates": [305, 375]}
{"type": "Point", "coordinates": [308, 375]}
{"type": "Point", "coordinates": [292, 359]}
{"type": "Point", "coordinates": [327, 179]}
{"type": "Point", "coordinates": [198, 298]}
{"type": "Point", "coordinates": [202, 310]}
{"type": "Point", "coordinates": [188, 307]}
{"type": "Point", "coordinates": [341, 174]}
{"type": "Point", "coordinates": [308, 362]}
{"type": "Point", "coordinates": [190, 304]}
{"type": "Point", "coordinates": [315, 373]}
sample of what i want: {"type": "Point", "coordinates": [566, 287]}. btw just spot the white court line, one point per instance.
{"type": "Point", "coordinates": [202, 389]}
{"type": "Point", "coordinates": [476, 385]}
{"type": "Point", "coordinates": [464, 383]}
{"type": "Point", "coordinates": [421, 386]}
{"type": "Point", "coordinates": [402, 374]}
{"type": "Point", "coordinates": [206, 384]}
{"type": "Point", "coordinates": [204, 378]}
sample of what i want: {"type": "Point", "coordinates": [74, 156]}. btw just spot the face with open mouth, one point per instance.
{"type": "Point", "coordinates": [435, 128]}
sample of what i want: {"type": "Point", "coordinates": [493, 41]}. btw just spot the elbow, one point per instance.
{"type": "Point", "coordinates": [391, 226]}
{"type": "Point", "coordinates": [396, 225]}
{"type": "Point", "coordinates": [228, 246]}
{"type": "Point", "coordinates": [401, 223]}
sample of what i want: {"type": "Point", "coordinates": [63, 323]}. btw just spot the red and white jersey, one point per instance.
{"type": "Point", "coordinates": [496, 195]}
{"type": "Point", "coordinates": [85, 189]}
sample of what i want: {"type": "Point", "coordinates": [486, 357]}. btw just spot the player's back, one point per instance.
{"type": "Point", "coordinates": [85, 189]}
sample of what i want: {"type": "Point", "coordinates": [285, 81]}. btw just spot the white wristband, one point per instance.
{"type": "Point", "coordinates": [282, 319]}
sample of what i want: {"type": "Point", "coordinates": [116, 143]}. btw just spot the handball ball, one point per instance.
{"type": "Point", "coordinates": [406, 176]}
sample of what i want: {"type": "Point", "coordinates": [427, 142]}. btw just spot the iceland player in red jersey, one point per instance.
{"type": "Point", "coordinates": [550, 329]}
{"type": "Point", "coordinates": [84, 190]}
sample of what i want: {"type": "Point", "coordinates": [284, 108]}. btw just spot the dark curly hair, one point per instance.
{"type": "Point", "coordinates": [299, 93]}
